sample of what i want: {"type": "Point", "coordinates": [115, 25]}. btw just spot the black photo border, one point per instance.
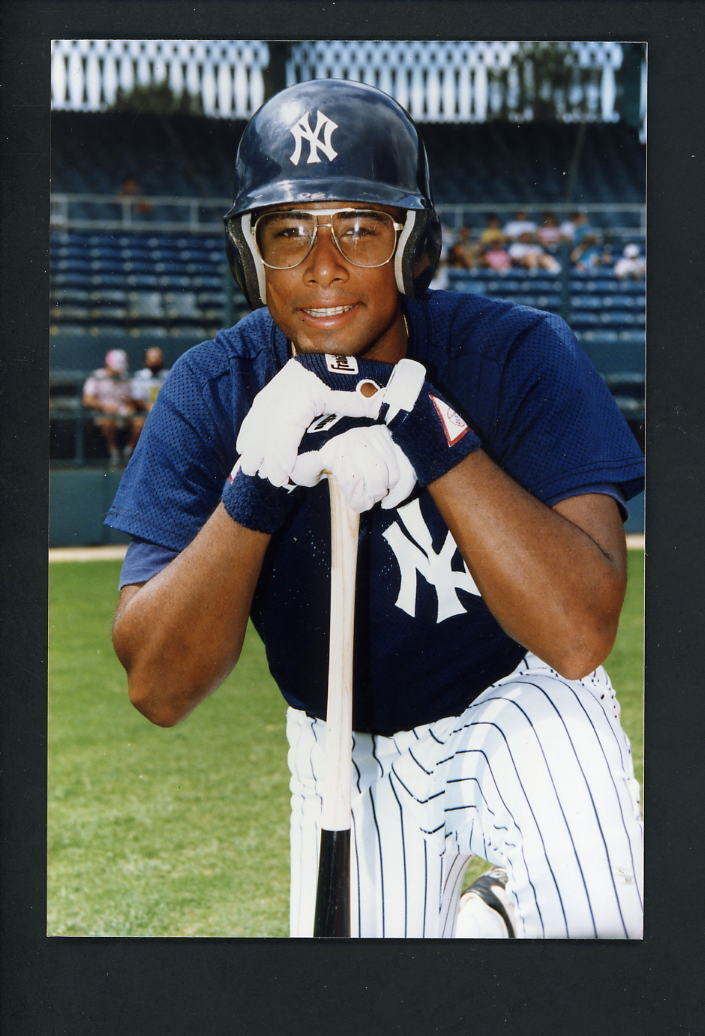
{"type": "Point", "coordinates": [291, 986]}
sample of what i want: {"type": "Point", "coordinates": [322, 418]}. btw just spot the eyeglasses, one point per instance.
{"type": "Point", "coordinates": [365, 237]}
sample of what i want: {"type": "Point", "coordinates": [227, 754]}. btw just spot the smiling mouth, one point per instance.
{"type": "Point", "coordinates": [330, 311]}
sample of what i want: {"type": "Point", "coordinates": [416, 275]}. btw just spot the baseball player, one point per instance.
{"type": "Point", "coordinates": [490, 467]}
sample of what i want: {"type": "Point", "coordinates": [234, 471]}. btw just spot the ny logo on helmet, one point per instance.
{"type": "Point", "coordinates": [301, 131]}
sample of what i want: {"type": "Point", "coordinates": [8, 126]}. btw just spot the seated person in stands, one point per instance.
{"type": "Point", "coordinates": [527, 254]}
{"type": "Point", "coordinates": [519, 225]}
{"type": "Point", "coordinates": [146, 384]}
{"type": "Point", "coordinates": [549, 233]}
{"type": "Point", "coordinates": [631, 264]}
{"type": "Point", "coordinates": [496, 257]}
{"type": "Point", "coordinates": [589, 254]}
{"type": "Point", "coordinates": [130, 188]}
{"type": "Point", "coordinates": [463, 254]}
{"type": "Point", "coordinates": [574, 229]}
{"type": "Point", "coordinates": [492, 232]}
{"type": "Point", "coordinates": [108, 392]}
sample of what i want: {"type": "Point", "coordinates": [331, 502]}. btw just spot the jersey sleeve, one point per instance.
{"type": "Point", "coordinates": [143, 560]}
{"type": "Point", "coordinates": [176, 475]}
{"type": "Point", "coordinates": [557, 428]}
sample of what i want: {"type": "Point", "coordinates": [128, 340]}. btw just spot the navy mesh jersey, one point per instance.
{"type": "Point", "coordinates": [426, 644]}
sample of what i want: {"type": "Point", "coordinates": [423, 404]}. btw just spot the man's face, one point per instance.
{"type": "Point", "coordinates": [328, 305]}
{"type": "Point", "coordinates": [154, 359]}
{"type": "Point", "coordinates": [116, 363]}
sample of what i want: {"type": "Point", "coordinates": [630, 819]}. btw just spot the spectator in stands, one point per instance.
{"type": "Point", "coordinates": [519, 225]}
{"type": "Point", "coordinates": [549, 233]}
{"type": "Point", "coordinates": [588, 254]}
{"type": "Point", "coordinates": [529, 255]}
{"type": "Point", "coordinates": [492, 232]}
{"type": "Point", "coordinates": [108, 392]}
{"type": "Point", "coordinates": [631, 264]}
{"type": "Point", "coordinates": [130, 188]}
{"type": "Point", "coordinates": [463, 253]}
{"type": "Point", "coordinates": [496, 257]}
{"type": "Point", "coordinates": [574, 229]}
{"type": "Point", "coordinates": [146, 384]}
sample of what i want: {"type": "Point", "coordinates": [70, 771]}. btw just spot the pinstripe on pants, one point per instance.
{"type": "Point", "coordinates": [536, 776]}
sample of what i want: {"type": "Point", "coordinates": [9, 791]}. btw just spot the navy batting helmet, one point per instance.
{"type": "Point", "coordinates": [333, 140]}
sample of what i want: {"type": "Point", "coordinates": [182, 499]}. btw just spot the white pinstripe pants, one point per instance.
{"type": "Point", "coordinates": [536, 776]}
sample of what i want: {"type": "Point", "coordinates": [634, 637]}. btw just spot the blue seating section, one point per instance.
{"type": "Point", "coordinates": [140, 285]}
{"type": "Point", "coordinates": [164, 285]}
{"type": "Point", "coordinates": [92, 152]}
{"type": "Point", "coordinates": [502, 162]}
{"type": "Point", "coordinates": [528, 163]}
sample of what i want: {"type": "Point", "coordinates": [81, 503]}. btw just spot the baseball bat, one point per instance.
{"type": "Point", "coordinates": [332, 914]}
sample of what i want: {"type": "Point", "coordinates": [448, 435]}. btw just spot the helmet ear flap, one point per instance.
{"type": "Point", "coordinates": [245, 264]}
{"type": "Point", "coordinates": [428, 253]}
{"type": "Point", "coordinates": [421, 251]}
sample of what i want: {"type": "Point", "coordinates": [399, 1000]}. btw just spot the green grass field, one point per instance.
{"type": "Point", "coordinates": [184, 831]}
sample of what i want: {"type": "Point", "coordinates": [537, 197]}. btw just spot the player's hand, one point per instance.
{"type": "Point", "coordinates": [269, 436]}
{"type": "Point", "coordinates": [368, 466]}
{"type": "Point", "coordinates": [422, 422]}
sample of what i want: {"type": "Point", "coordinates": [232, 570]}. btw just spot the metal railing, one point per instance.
{"type": "Point", "coordinates": [456, 215]}
{"type": "Point", "coordinates": [194, 215]}
{"type": "Point", "coordinates": [204, 215]}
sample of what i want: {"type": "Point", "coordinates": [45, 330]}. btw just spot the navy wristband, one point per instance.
{"type": "Point", "coordinates": [432, 435]}
{"type": "Point", "coordinates": [255, 503]}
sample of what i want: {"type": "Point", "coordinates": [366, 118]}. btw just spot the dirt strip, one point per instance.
{"type": "Point", "coordinates": [110, 553]}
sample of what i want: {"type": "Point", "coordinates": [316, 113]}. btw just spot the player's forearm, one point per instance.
{"type": "Point", "coordinates": [551, 585]}
{"type": "Point", "coordinates": [180, 634]}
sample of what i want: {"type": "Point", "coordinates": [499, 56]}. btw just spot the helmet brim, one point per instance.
{"type": "Point", "coordinates": [305, 191]}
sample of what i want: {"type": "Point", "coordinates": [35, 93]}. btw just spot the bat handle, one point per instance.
{"type": "Point", "coordinates": [332, 915]}
{"type": "Point", "coordinates": [345, 524]}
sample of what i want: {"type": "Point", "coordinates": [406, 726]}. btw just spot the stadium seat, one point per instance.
{"type": "Point", "coordinates": [599, 336]}
{"type": "Point", "coordinates": [181, 304]}
{"type": "Point", "coordinates": [145, 304]}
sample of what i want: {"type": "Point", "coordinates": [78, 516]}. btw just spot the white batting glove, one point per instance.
{"type": "Point", "coordinates": [422, 422]}
{"type": "Point", "coordinates": [269, 436]}
{"type": "Point", "coordinates": [366, 463]}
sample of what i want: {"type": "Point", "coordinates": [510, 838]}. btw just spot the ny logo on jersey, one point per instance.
{"type": "Point", "coordinates": [301, 131]}
{"type": "Point", "coordinates": [410, 539]}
